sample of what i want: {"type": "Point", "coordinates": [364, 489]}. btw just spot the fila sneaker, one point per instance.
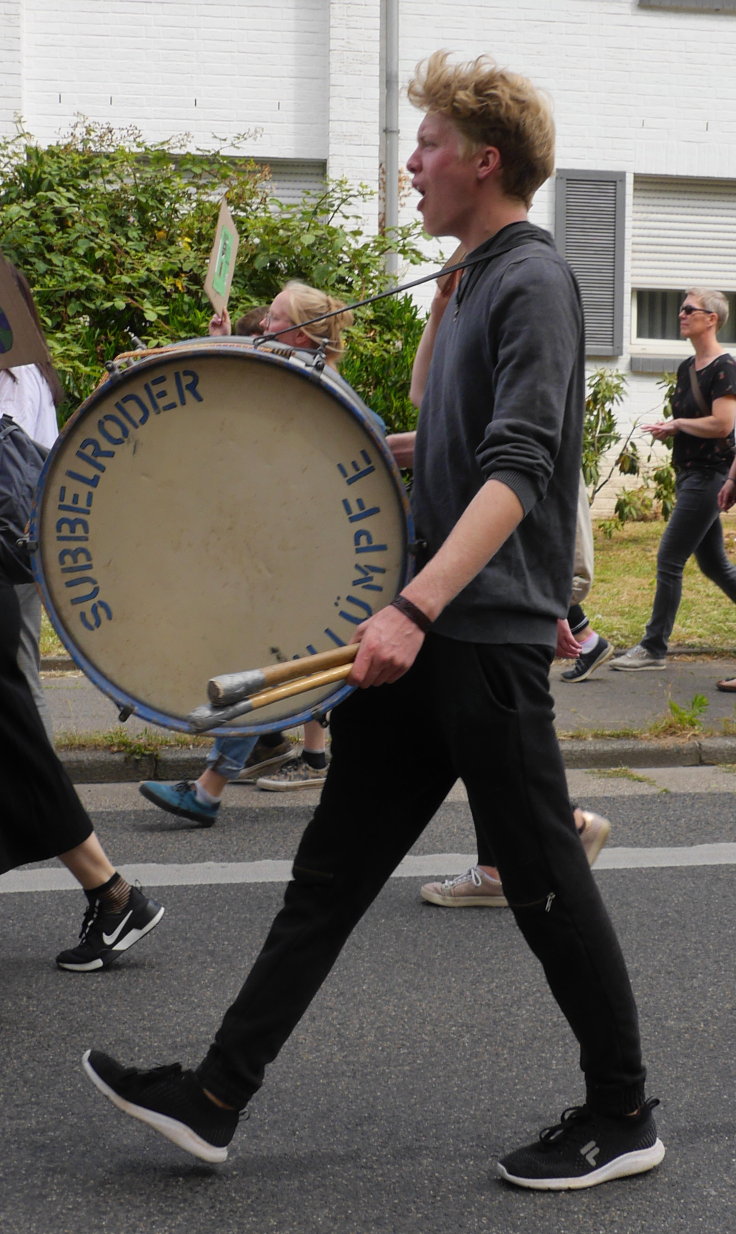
{"type": "Point", "coordinates": [586, 1148]}
{"type": "Point", "coordinates": [105, 936]}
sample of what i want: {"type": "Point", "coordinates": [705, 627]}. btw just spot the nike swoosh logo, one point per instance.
{"type": "Point", "coordinates": [109, 939]}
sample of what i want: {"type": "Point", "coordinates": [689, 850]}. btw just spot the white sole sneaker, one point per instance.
{"type": "Point", "coordinates": [179, 1134]}
{"type": "Point", "coordinates": [655, 666]}
{"type": "Point", "coordinates": [621, 1167]}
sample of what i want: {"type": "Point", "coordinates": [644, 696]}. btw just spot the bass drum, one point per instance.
{"type": "Point", "coordinates": [217, 506]}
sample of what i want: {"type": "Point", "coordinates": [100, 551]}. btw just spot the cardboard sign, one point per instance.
{"type": "Point", "coordinates": [222, 260]}
{"type": "Point", "coordinates": [21, 342]}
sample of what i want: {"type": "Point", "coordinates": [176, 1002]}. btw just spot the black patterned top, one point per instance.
{"type": "Point", "coordinates": [716, 380]}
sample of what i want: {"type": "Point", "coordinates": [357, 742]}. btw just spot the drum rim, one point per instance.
{"type": "Point", "coordinates": [360, 412]}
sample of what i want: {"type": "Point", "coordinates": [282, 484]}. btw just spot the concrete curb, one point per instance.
{"type": "Point", "coordinates": [108, 767]}
{"type": "Point", "coordinates": [581, 754]}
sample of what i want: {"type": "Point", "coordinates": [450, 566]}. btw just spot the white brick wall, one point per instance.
{"type": "Point", "coordinates": [202, 67]}
{"type": "Point", "coordinates": [354, 95]}
{"type": "Point", "coordinates": [11, 78]}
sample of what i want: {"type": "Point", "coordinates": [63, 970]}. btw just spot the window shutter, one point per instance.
{"type": "Point", "coordinates": [589, 231]}
{"type": "Point", "coordinates": [683, 233]}
{"type": "Point", "coordinates": [292, 178]}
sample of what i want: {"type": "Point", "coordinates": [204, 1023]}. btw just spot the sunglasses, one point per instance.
{"type": "Point", "coordinates": [687, 309]}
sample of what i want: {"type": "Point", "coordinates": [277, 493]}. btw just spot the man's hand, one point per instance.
{"type": "Point", "coordinates": [401, 446]}
{"type": "Point", "coordinates": [389, 645]}
{"type": "Point", "coordinates": [568, 647]}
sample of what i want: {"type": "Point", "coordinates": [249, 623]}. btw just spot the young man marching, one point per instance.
{"type": "Point", "coordinates": [463, 655]}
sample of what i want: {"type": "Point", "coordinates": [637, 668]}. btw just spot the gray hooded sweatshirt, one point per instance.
{"type": "Point", "coordinates": [504, 400]}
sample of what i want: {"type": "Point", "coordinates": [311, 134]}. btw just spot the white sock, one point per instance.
{"type": "Point", "coordinates": [202, 795]}
{"type": "Point", "coordinates": [589, 643]}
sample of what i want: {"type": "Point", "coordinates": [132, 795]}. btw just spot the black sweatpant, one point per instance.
{"type": "Point", "coordinates": [484, 714]}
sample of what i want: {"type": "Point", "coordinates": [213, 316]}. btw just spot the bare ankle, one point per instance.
{"type": "Point", "coordinates": [216, 1100]}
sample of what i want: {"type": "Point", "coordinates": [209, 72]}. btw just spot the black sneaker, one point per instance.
{"type": "Point", "coordinates": [584, 1149]}
{"type": "Point", "coordinates": [588, 661]}
{"type": "Point", "coordinates": [104, 936]}
{"type": "Point", "coordinates": [167, 1099]}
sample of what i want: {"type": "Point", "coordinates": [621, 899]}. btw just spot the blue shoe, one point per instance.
{"type": "Point", "coordinates": [180, 799]}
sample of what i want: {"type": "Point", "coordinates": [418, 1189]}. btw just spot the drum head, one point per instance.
{"type": "Point", "coordinates": [216, 508]}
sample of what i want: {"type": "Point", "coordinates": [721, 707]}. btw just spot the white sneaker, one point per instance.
{"type": "Point", "coordinates": [637, 659]}
{"type": "Point", "coordinates": [473, 889]}
{"type": "Point", "coordinates": [593, 832]}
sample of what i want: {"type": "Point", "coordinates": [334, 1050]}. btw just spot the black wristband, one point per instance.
{"type": "Point", "coordinates": [410, 610]}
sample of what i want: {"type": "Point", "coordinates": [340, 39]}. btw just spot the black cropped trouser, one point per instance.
{"type": "Point", "coordinates": [484, 714]}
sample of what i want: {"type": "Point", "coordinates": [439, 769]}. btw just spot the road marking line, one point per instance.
{"type": "Point", "coordinates": [208, 873]}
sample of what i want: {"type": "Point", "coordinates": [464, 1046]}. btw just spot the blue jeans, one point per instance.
{"type": "Point", "coordinates": [229, 755]}
{"type": "Point", "coordinates": [694, 527]}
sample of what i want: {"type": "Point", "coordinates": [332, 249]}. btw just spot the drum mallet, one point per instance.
{"type": "Point", "coordinates": [207, 716]}
{"type": "Point", "coordinates": [232, 687]}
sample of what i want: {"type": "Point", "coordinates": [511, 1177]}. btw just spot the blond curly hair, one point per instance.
{"type": "Point", "coordinates": [491, 106]}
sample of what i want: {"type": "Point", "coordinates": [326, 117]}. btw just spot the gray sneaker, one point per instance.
{"type": "Point", "coordinates": [473, 889]}
{"type": "Point", "coordinates": [296, 773]}
{"type": "Point", "coordinates": [636, 660]}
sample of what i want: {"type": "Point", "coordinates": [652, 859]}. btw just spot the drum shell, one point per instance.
{"type": "Point", "coordinates": [216, 507]}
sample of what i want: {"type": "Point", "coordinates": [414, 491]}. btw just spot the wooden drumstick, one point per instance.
{"type": "Point", "coordinates": [232, 687]}
{"type": "Point", "coordinates": [207, 716]}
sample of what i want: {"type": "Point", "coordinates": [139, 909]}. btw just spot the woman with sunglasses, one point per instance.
{"type": "Point", "coordinates": [703, 414]}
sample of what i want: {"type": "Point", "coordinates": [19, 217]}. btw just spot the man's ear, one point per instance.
{"type": "Point", "coordinates": [488, 161]}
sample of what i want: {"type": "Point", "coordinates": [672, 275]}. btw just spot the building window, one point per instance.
{"type": "Point", "coordinates": [656, 315]}
{"type": "Point", "coordinates": [589, 232]}
{"type": "Point", "coordinates": [683, 234]}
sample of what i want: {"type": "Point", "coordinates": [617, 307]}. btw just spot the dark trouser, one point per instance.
{"type": "Point", "coordinates": [483, 713]}
{"type": "Point", "coordinates": [29, 658]}
{"type": "Point", "coordinates": [576, 619]}
{"type": "Point", "coordinates": [693, 527]}
{"type": "Point", "coordinates": [41, 814]}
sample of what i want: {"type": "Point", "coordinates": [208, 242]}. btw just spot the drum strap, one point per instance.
{"type": "Point", "coordinates": [392, 291]}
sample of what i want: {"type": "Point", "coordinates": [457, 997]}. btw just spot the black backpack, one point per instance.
{"type": "Point", "coordinates": [21, 460]}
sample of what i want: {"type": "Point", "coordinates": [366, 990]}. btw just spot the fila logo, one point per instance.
{"type": "Point", "coordinates": [590, 1151]}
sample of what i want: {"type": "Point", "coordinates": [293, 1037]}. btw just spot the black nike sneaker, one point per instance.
{"type": "Point", "coordinates": [104, 936]}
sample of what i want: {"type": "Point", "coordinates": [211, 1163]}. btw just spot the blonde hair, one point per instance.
{"type": "Point", "coordinates": [712, 302]}
{"type": "Point", "coordinates": [307, 302]}
{"type": "Point", "coordinates": [491, 106]}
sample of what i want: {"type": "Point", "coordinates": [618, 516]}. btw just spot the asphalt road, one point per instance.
{"type": "Point", "coordinates": [432, 1048]}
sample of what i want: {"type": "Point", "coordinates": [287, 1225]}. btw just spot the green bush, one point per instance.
{"type": "Point", "coordinates": [114, 235]}
{"type": "Point", "coordinates": [655, 496]}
